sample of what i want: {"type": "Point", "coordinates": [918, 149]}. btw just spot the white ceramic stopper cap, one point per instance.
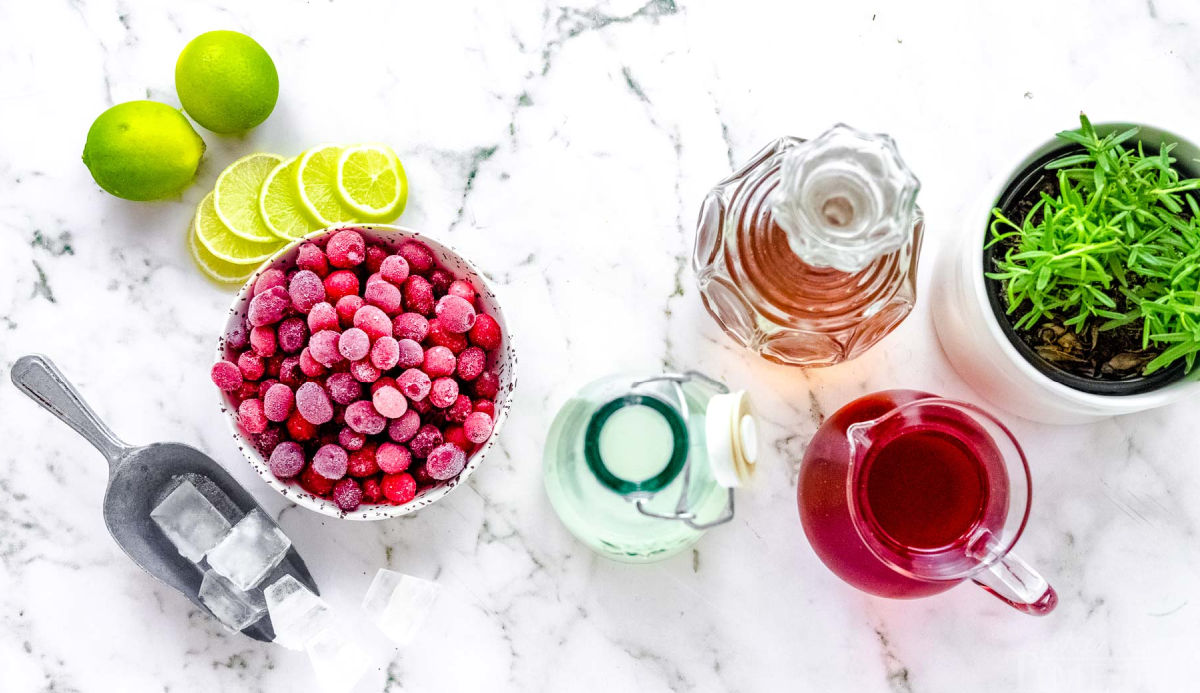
{"type": "Point", "coordinates": [731, 438]}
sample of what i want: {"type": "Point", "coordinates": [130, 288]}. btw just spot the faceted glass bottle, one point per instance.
{"type": "Point", "coordinates": [808, 254]}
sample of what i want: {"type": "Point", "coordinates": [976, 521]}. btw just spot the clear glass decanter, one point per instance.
{"type": "Point", "coordinates": [808, 253]}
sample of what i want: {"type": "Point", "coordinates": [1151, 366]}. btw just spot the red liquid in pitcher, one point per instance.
{"type": "Point", "coordinates": [924, 486]}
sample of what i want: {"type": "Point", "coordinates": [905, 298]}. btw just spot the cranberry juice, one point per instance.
{"type": "Point", "coordinates": [921, 485]}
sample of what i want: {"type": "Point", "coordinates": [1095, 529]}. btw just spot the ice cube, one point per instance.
{"type": "Point", "coordinates": [338, 661]}
{"type": "Point", "coordinates": [399, 603]}
{"type": "Point", "coordinates": [297, 614]}
{"type": "Point", "coordinates": [250, 550]}
{"type": "Point", "coordinates": [190, 521]}
{"type": "Point", "coordinates": [232, 607]}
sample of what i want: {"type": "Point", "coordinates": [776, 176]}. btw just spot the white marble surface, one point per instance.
{"type": "Point", "coordinates": [566, 148]}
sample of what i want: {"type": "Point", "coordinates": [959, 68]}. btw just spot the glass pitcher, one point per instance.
{"type": "Point", "coordinates": [808, 253]}
{"type": "Point", "coordinates": [638, 468]}
{"type": "Point", "coordinates": [905, 494]}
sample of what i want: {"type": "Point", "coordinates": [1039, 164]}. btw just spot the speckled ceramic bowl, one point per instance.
{"type": "Point", "coordinates": [504, 361]}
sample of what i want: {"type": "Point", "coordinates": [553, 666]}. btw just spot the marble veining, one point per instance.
{"type": "Point", "coordinates": [565, 148]}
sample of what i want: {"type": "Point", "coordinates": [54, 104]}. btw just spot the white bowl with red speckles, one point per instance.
{"type": "Point", "coordinates": [503, 360]}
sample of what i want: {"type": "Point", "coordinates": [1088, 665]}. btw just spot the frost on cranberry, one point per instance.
{"type": "Point", "coordinates": [414, 384]}
{"type": "Point", "coordinates": [237, 337]}
{"type": "Point", "coordinates": [471, 363]}
{"type": "Point", "coordinates": [268, 440]}
{"type": "Point", "coordinates": [343, 388]}
{"type": "Point", "coordinates": [439, 361]}
{"type": "Point", "coordinates": [463, 290]}
{"type": "Point", "coordinates": [262, 341]}
{"type": "Point", "coordinates": [412, 326]}
{"type": "Point", "coordinates": [364, 371]}
{"type": "Point", "coordinates": [445, 461]}
{"type": "Point", "coordinates": [322, 316]}
{"type": "Point", "coordinates": [347, 307]}
{"type": "Point", "coordinates": [250, 415]}
{"type": "Point", "coordinates": [323, 346]}
{"type": "Point", "coordinates": [486, 406]}
{"type": "Point", "coordinates": [459, 411]}
{"type": "Point", "coordinates": [409, 354]}
{"type": "Point", "coordinates": [385, 353]}
{"type": "Point", "coordinates": [347, 495]}
{"type": "Point", "coordinates": [487, 385]}
{"type": "Point", "coordinates": [426, 439]}
{"type": "Point", "coordinates": [404, 428]}
{"type": "Point", "coordinates": [341, 283]}
{"type": "Point", "coordinates": [310, 366]}
{"type": "Point", "coordinates": [354, 344]}
{"type": "Point", "coordinates": [443, 392]}
{"type": "Point", "coordinates": [362, 417]}
{"type": "Point", "coordinates": [363, 462]}
{"type": "Point", "coordinates": [351, 439]}
{"type": "Point", "coordinates": [399, 488]}
{"type": "Point", "coordinates": [313, 403]}
{"type": "Point", "coordinates": [373, 321]}
{"type": "Point", "coordinates": [456, 313]}
{"type": "Point", "coordinates": [272, 276]}
{"type": "Point", "coordinates": [287, 459]}
{"type": "Point", "coordinates": [486, 332]}
{"type": "Point", "coordinates": [375, 255]}
{"type": "Point", "coordinates": [330, 461]}
{"type": "Point", "coordinates": [441, 336]}
{"type": "Point", "coordinates": [392, 458]}
{"type": "Point", "coordinates": [417, 254]}
{"type": "Point", "coordinates": [418, 295]}
{"type": "Point", "coordinates": [269, 307]}
{"type": "Point", "coordinates": [383, 294]}
{"type": "Point", "coordinates": [278, 401]}
{"type": "Point", "coordinates": [478, 427]}
{"type": "Point", "coordinates": [293, 333]}
{"type": "Point", "coordinates": [226, 376]}
{"type": "Point", "coordinates": [346, 249]}
{"type": "Point", "coordinates": [394, 268]}
{"type": "Point", "coordinates": [310, 257]}
{"type": "Point", "coordinates": [306, 290]}
{"type": "Point", "coordinates": [389, 402]}
{"type": "Point", "coordinates": [251, 366]}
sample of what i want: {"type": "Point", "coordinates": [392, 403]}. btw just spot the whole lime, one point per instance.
{"type": "Point", "coordinates": [226, 81]}
{"type": "Point", "coordinates": [142, 150]}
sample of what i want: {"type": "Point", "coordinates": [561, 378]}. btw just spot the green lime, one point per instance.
{"type": "Point", "coordinates": [142, 150]}
{"type": "Point", "coordinates": [280, 205]}
{"type": "Point", "coordinates": [236, 196]}
{"type": "Point", "coordinates": [371, 181]}
{"type": "Point", "coordinates": [226, 81]}
{"type": "Point", "coordinates": [216, 237]}
{"type": "Point", "coordinates": [316, 179]}
{"type": "Point", "coordinates": [214, 267]}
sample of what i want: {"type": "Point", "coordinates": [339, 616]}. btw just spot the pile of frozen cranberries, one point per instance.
{"type": "Point", "coordinates": [362, 374]}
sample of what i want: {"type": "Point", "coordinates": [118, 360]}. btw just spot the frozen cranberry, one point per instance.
{"type": "Point", "coordinates": [248, 389]}
{"type": "Point", "coordinates": [414, 384]}
{"type": "Point", "coordinates": [351, 439]}
{"type": "Point", "coordinates": [418, 295]}
{"type": "Point", "coordinates": [421, 476]}
{"type": "Point", "coordinates": [324, 347]}
{"type": "Point", "coordinates": [262, 341]}
{"type": "Point", "coordinates": [412, 326]}
{"type": "Point", "coordinates": [251, 366]}
{"type": "Point", "coordinates": [394, 268]}
{"type": "Point", "coordinates": [478, 427]}
{"type": "Point", "coordinates": [418, 256]}
{"type": "Point", "coordinates": [310, 257]}
{"type": "Point", "coordinates": [421, 406]}
{"type": "Point", "coordinates": [404, 428]}
{"type": "Point", "coordinates": [443, 392]}
{"type": "Point", "coordinates": [313, 403]}
{"type": "Point", "coordinates": [373, 321]}
{"type": "Point", "coordinates": [347, 307]}
{"type": "Point", "coordinates": [310, 366]}
{"type": "Point", "coordinates": [269, 307]}
{"type": "Point", "coordinates": [384, 381]}
{"type": "Point", "coordinates": [471, 363]}
{"type": "Point", "coordinates": [306, 290]}
{"type": "Point", "coordinates": [439, 361]}
{"type": "Point", "coordinates": [440, 280]}
{"type": "Point", "coordinates": [343, 388]}
{"type": "Point", "coordinates": [389, 402]}
{"type": "Point", "coordinates": [354, 344]}
{"type": "Point", "coordinates": [375, 257]}
{"type": "Point", "coordinates": [226, 376]}
{"type": "Point", "coordinates": [292, 333]}
{"type": "Point", "coordinates": [385, 353]}
{"type": "Point", "coordinates": [364, 371]}
{"type": "Point", "coordinates": [463, 290]}
{"type": "Point", "coordinates": [362, 417]}
{"type": "Point", "coordinates": [322, 316]}
{"type": "Point", "coordinates": [272, 276]}
{"type": "Point", "coordinates": [372, 490]}
{"type": "Point", "coordinates": [273, 365]}
{"type": "Point", "coordinates": [455, 435]}
{"type": "Point", "coordinates": [237, 337]}
{"type": "Point", "coordinates": [399, 488]}
{"type": "Point", "coordinates": [250, 415]}
{"type": "Point", "coordinates": [393, 458]}
{"type": "Point", "coordinates": [445, 461]}
{"type": "Point", "coordinates": [264, 385]}
{"type": "Point", "coordinates": [277, 403]}
{"type": "Point", "coordinates": [458, 411]}
{"type": "Point", "coordinates": [341, 283]}
{"type": "Point", "coordinates": [314, 483]}
{"type": "Point", "coordinates": [299, 429]}
{"type": "Point", "coordinates": [346, 249]}
{"type": "Point", "coordinates": [427, 438]}
{"type": "Point", "coordinates": [384, 295]}
{"type": "Point", "coordinates": [362, 462]}
{"type": "Point", "coordinates": [409, 354]}
{"type": "Point", "coordinates": [347, 495]}
{"type": "Point", "coordinates": [441, 336]}
{"type": "Point", "coordinates": [330, 461]}
{"type": "Point", "coordinates": [485, 332]}
{"type": "Point", "coordinates": [268, 440]}
{"type": "Point", "coordinates": [289, 371]}
{"type": "Point", "coordinates": [486, 406]}
{"type": "Point", "coordinates": [287, 459]}
{"type": "Point", "coordinates": [487, 385]}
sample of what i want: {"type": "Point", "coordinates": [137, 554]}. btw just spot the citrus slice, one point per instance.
{"type": "Point", "coordinates": [316, 180]}
{"type": "Point", "coordinates": [280, 206]}
{"type": "Point", "coordinates": [222, 244]}
{"type": "Point", "coordinates": [214, 267]}
{"type": "Point", "coordinates": [371, 181]}
{"type": "Point", "coordinates": [236, 196]}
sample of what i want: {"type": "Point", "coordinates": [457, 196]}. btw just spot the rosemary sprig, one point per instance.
{"type": "Point", "coordinates": [1118, 244]}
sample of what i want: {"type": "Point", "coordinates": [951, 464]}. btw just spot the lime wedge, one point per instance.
{"type": "Point", "coordinates": [217, 239]}
{"type": "Point", "coordinates": [236, 196]}
{"type": "Point", "coordinates": [371, 181]}
{"type": "Point", "coordinates": [280, 206]}
{"type": "Point", "coordinates": [316, 179]}
{"type": "Point", "coordinates": [214, 267]}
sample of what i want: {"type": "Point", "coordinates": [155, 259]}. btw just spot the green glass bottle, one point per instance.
{"type": "Point", "coordinates": [638, 468]}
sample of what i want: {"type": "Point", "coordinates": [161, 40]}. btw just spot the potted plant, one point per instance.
{"type": "Point", "coordinates": [1074, 293]}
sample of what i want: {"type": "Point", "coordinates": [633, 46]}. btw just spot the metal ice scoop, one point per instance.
{"type": "Point", "coordinates": [138, 478]}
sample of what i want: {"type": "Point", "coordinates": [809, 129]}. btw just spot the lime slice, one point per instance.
{"type": "Point", "coordinates": [371, 181]}
{"type": "Point", "coordinates": [236, 196]}
{"type": "Point", "coordinates": [280, 206]}
{"type": "Point", "coordinates": [222, 244]}
{"type": "Point", "coordinates": [316, 179]}
{"type": "Point", "coordinates": [214, 267]}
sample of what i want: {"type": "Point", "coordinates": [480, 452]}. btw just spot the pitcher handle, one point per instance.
{"type": "Point", "coordinates": [1016, 583]}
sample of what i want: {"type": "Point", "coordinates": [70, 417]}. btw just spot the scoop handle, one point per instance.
{"type": "Point", "coordinates": [38, 377]}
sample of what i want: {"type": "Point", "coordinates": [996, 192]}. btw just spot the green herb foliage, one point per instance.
{"type": "Point", "coordinates": [1118, 244]}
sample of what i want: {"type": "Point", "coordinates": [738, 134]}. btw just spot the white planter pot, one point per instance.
{"type": "Point", "coordinates": [980, 350]}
